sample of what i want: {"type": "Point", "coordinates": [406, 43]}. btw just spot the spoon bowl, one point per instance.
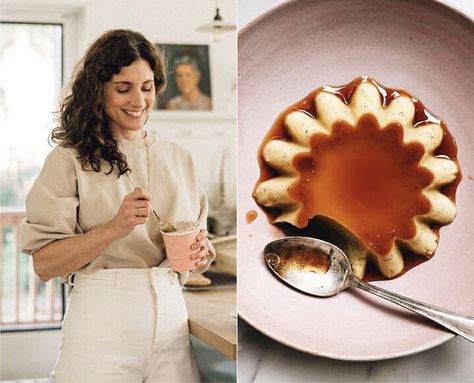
{"type": "Point", "coordinates": [321, 269]}
{"type": "Point", "coordinates": [163, 225]}
{"type": "Point", "coordinates": [313, 266]}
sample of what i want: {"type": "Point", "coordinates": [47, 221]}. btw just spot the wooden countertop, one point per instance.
{"type": "Point", "coordinates": [212, 318]}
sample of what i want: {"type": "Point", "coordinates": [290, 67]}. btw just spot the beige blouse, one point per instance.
{"type": "Point", "coordinates": [66, 201]}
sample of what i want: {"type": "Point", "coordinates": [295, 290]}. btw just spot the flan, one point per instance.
{"type": "Point", "coordinates": [372, 160]}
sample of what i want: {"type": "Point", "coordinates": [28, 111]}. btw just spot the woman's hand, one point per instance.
{"type": "Point", "coordinates": [134, 210]}
{"type": "Point", "coordinates": [200, 256]}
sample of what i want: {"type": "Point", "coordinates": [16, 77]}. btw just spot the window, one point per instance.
{"type": "Point", "coordinates": [30, 82]}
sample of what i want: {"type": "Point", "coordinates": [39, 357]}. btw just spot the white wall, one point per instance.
{"type": "Point", "coordinates": [169, 21]}
{"type": "Point", "coordinates": [209, 136]}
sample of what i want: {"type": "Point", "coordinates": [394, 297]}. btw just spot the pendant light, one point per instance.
{"type": "Point", "coordinates": [217, 26]}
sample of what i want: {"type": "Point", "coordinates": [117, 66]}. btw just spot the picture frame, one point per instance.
{"type": "Point", "coordinates": [189, 79]}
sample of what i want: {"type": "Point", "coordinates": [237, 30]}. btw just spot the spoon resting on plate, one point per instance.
{"type": "Point", "coordinates": [321, 269]}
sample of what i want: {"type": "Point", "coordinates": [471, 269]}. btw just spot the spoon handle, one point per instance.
{"type": "Point", "coordinates": [460, 324]}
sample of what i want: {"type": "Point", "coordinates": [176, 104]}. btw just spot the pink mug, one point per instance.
{"type": "Point", "coordinates": [178, 249]}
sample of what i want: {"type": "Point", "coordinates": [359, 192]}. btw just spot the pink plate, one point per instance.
{"type": "Point", "coordinates": [423, 47]}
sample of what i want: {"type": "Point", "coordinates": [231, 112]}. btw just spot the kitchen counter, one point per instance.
{"type": "Point", "coordinates": [212, 318]}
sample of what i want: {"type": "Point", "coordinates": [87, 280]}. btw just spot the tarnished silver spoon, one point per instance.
{"type": "Point", "coordinates": [319, 268]}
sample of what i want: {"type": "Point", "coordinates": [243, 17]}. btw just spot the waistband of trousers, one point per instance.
{"type": "Point", "coordinates": [123, 277]}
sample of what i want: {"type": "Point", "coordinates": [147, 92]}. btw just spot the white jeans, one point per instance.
{"type": "Point", "coordinates": [126, 325]}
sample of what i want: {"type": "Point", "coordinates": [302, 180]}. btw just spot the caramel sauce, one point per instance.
{"type": "Point", "coordinates": [363, 177]}
{"type": "Point", "coordinates": [303, 258]}
{"type": "Point", "coordinates": [251, 216]}
{"type": "Point", "coordinates": [410, 260]}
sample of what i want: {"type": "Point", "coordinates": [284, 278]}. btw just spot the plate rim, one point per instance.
{"type": "Point", "coordinates": [438, 342]}
{"type": "Point", "coordinates": [284, 3]}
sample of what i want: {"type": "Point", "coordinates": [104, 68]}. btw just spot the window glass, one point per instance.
{"type": "Point", "coordinates": [30, 83]}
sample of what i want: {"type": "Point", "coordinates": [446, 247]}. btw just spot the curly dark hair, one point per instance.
{"type": "Point", "coordinates": [82, 121]}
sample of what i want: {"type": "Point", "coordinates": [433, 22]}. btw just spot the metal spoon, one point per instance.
{"type": "Point", "coordinates": [164, 225]}
{"type": "Point", "coordinates": [319, 268]}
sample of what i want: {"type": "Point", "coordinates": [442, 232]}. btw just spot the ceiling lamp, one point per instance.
{"type": "Point", "coordinates": [217, 27]}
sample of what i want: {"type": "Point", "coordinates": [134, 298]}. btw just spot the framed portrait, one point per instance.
{"type": "Point", "coordinates": [189, 78]}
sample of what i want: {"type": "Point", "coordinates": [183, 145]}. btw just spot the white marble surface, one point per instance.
{"type": "Point", "coordinates": [261, 359]}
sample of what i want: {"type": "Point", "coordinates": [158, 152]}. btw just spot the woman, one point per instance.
{"type": "Point", "coordinates": [88, 215]}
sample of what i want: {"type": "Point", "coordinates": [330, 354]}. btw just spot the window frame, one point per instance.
{"type": "Point", "coordinates": [70, 19]}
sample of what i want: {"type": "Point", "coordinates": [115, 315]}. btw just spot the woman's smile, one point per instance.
{"type": "Point", "coordinates": [134, 113]}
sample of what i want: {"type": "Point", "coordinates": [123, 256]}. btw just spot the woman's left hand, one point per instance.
{"type": "Point", "coordinates": [200, 256]}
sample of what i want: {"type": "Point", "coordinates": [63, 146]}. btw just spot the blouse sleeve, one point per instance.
{"type": "Point", "coordinates": [52, 203]}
